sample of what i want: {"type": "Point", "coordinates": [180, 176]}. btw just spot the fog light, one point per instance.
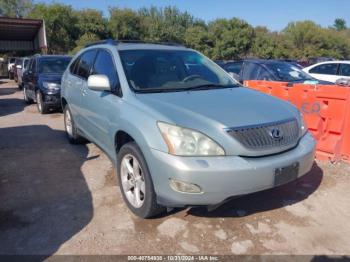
{"type": "Point", "coordinates": [184, 187]}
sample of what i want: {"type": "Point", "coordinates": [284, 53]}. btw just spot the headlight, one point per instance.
{"type": "Point", "coordinates": [303, 125]}
{"type": "Point", "coordinates": [188, 142]}
{"type": "Point", "coordinates": [51, 86]}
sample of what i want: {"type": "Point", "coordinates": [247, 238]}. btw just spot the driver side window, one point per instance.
{"type": "Point", "coordinates": [104, 65]}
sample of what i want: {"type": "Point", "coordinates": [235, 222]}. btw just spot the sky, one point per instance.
{"type": "Point", "coordinates": [274, 14]}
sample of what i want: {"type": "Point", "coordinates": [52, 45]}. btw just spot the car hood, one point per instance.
{"type": "Point", "coordinates": [230, 107]}
{"type": "Point", "coordinates": [53, 78]}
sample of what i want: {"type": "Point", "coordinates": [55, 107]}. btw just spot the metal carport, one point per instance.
{"type": "Point", "coordinates": [17, 34]}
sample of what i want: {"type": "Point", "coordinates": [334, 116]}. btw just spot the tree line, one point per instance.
{"type": "Point", "coordinates": [68, 30]}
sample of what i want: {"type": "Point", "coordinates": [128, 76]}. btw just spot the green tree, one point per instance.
{"type": "Point", "coordinates": [268, 45]}
{"type": "Point", "coordinates": [91, 22]}
{"type": "Point", "coordinates": [84, 40]}
{"type": "Point", "coordinates": [232, 38]}
{"type": "Point", "coordinates": [15, 8]}
{"type": "Point", "coordinates": [264, 44]}
{"type": "Point", "coordinates": [167, 24]}
{"type": "Point", "coordinates": [308, 39]}
{"type": "Point", "coordinates": [124, 24]}
{"type": "Point", "coordinates": [339, 24]}
{"type": "Point", "coordinates": [197, 37]}
{"type": "Point", "coordinates": [61, 26]}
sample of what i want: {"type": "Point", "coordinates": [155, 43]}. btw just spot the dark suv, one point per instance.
{"type": "Point", "coordinates": [268, 70]}
{"type": "Point", "coordinates": [42, 81]}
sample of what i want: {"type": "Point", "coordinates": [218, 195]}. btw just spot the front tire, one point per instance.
{"type": "Point", "coordinates": [41, 105]}
{"type": "Point", "coordinates": [71, 129]}
{"type": "Point", "coordinates": [135, 182]}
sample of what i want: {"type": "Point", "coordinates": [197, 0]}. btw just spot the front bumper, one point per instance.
{"type": "Point", "coordinates": [52, 99]}
{"type": "Point", "coordinates": [222, 177]}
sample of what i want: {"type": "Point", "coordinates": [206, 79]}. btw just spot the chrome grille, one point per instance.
{"type": "Point", "coordinates": [283, 134]}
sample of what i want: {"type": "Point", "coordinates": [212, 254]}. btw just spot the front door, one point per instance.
{"type": "Point", "coordinates": [98, 106]}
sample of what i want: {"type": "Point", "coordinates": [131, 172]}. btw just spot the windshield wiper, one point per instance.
{"type": "Point", "coordinates": [208, 86]}
{"type": "Point", "coordinates": [168, 90]}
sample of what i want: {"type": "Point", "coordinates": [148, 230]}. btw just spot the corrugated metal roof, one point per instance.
{"type": "Point", "coordinates": [19, 29]}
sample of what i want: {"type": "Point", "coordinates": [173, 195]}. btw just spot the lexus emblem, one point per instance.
{"type": "Point", "coordinates": [276, 134]}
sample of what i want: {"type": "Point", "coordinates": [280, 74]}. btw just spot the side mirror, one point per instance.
{"type": "Point", "coordinates": [99, 83]}
{"type": "Point", "coordinates": [19, 67]}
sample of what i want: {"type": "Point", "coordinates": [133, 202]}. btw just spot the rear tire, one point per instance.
{"type": "Point", "coordinates": [41, 105]}
{"type": "Point", "coordinates": [71, 129]}
{"type": "Point", "coordinates": [142, 204]}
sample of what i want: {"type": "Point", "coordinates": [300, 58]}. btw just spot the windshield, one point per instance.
{"type": "Point", "coordinates": [55, 65]}
{"type": "Point", "coordinates": [172, 70]}
{"type": "Point", "coordinates": [287, 72]}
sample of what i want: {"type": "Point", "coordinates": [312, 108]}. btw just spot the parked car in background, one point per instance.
{"type": "Point", "coordinates": [18, 63]}
{"type": "Point", "coordinates": [21, 68]}
{"type": "Point", "coordinates": [329, 71]}
{"type": "Point", "coordinates": [42, 81]}
{"type": "Point", "coordinates": [3, 67]}
{"type": "Point", "coordinates": [269, 70]}
{"type": "Point", "coordinates": [10, 67]}
{"type": "Point", "coordinates": [179, 129]}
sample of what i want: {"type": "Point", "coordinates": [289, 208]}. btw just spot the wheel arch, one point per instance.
{"type": "Point", "coordinates": [63, 102]}
{"type": "Point", "coordinates": [121, 138]}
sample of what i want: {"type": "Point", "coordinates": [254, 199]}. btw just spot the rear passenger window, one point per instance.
{"type": "Point", "coordinates": [104, 65]}
{"type": "Point", "coordinates": [85, 63]}
{"type": "Point", "coordinates": [326, 69]}
{"type": "Point", "coordinates": [345, 69]}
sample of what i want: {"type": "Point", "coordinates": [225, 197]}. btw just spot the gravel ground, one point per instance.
{"type": "Point", "coordinates": [57, 198]}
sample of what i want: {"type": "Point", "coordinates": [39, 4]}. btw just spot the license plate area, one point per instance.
{"type": "Point", "coordinates": [286, 174]}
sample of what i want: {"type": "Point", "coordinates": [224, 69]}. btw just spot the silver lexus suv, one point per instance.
{"type": "Point", "coordinates": [180, 131]}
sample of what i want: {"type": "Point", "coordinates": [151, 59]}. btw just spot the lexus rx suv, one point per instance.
{"type": "Point", "coordinates": [179, 129]}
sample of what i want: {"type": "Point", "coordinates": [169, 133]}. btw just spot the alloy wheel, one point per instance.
{"type": "Point", "coordinates": [133, 182]}
{"type": "Point", "coordinates": [68, 123]}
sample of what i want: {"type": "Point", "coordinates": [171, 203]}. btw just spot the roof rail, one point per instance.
{"type": "Point", "coordinates": [116, 42]}
{"type": "Point", "coordinates": [103, 42]}
{"type": "Point", "coordinates": [149, 42]}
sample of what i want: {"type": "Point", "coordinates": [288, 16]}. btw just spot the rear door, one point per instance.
{"type": "Point", "coordinates": [97, 106]}
{"type": "Point", "coordinates": [326, 72]}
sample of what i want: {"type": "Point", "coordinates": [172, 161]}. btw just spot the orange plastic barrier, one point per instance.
{"type": "Point", "coordinates": [326, 110]}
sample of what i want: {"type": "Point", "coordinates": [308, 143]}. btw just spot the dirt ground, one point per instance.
{"type": "Point", "coordinates": [57, 198]}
